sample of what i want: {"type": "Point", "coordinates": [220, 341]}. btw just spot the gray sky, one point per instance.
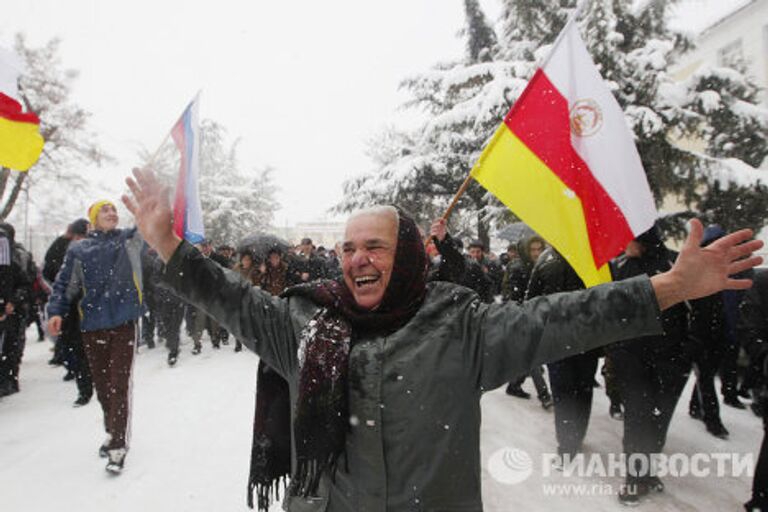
{"type": "Point", "coordinates": [303, 83]}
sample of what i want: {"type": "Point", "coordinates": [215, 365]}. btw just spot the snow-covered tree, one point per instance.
{"type": "Point", "coordinates": [527, 25]}
{"type": "Point", "coordinates": [464, 102]}
{"type": "Point", "coordinates": [235, 202]}
{"type": "Point", "coordinates": [46, 89]}
{"type": "Point", "coordinates": [736, 126]}
{"type": "Point", "coordinates": [634, 48]}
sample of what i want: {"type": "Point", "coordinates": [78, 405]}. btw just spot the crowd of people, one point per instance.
{"type": "Point", "coordinates": [107, 292]}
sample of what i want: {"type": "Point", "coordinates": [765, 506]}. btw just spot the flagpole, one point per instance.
{"type": "Point", "coordinates": [157, 151]}
{"type": "Point", "coordinates": [580, 6]}
{"type": "Point", "coordinates": [168, 135]}
{"type": "Point", "coordinates": [456, 197]}
{"type": "Point", "coordinates": [453, 204]}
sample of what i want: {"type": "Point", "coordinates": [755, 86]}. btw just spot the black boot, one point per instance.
{"type": "Point", "coordinates": [7, 388]}
{"type": "Point", "coordinates": [694, 411]}
{"type": "Point", "coordinates": [717, 429]}
{"type": "Point", "coordinates": [654, 484]}
{"type": "Point", "coordinates": [81, 401]}
{"type": "Point", "coordinates": [633, 491]}
{"type": "Point", "coordinates": [517, 391]}
{"type": "Point", "coordinates": [733, 401]}
{"type": "Point", "coordinates": [744, 392]}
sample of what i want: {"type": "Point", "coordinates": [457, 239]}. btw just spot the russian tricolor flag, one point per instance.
{"type": "Point", "coordinates": [187, 212]}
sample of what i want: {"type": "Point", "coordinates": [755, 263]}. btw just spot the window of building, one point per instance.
{"type": "Point", "coordinates": [730, 54]}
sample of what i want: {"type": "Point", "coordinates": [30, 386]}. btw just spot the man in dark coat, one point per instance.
{"type": "Point", "coordinates": [651, 371]}
{"type": "Point", "coordinates": [64, 352]}
{"type": "Point", "coordinates": [197, 322]}
{"type": "Point", "coordinates": [6, 297]}
{"type": "Point", "coordinates": [149, 320]}
{"type": "Point", "coordinates": [515, 286]}
{"type": "Point", "coordinates": [170, 314]}
{"type": "Point", "coordinates": [164, 311]}
{"type": "Point", "coordinates": [17, 301]}
{"type": "Point", "coordinates": [306, 266]}
{"type": "Point", "coordinates": [753, 331]}
{"type": "Point", "coordinates": [450, 265]}
{"type": "Point", "coordinates": [477, 275]}
{"type": "Point", "coordinates": [518, 271]}
{"type": "Point", "coordinates": [571, 378]}
{"type": "Point", "coordinates": [729, 371]}
{"type": "Point", "coordinates": [706, 347]}
{"type": "Point", "coordinates": [68, 346]}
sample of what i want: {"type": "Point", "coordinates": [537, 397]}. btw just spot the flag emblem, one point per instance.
{"type": "Point", "coordinates": [586, 118]}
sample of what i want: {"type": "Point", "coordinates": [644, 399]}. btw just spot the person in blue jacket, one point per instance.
{"type": "Point", "coordinates": [106, 268]}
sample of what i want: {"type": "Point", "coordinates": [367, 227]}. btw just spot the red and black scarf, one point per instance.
{"type": "Point", "coordinates": [322, 409]}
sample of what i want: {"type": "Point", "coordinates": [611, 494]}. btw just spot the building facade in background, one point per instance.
{"type": "Point", "coordinates": [325, 234]}
{"type": "Point", "coordinates": [741, 35]}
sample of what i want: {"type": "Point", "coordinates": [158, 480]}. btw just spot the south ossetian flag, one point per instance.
{"type": "Point", "coordinates": [187, 211]}
{"type": "Point", "coordinates": [20, 139]}
{"type": "Point", "coordinates": [565, 162]}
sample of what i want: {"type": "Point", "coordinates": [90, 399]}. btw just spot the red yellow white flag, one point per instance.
{"type": "Point", "coordinates": [565, 162]}
{"type": "Point", "coordinates": [20, 139]}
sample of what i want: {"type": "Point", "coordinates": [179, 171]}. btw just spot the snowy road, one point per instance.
{"type": "Point", "coordinates": [191, 440]}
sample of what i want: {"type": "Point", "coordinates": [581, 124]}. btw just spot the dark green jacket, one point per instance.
{"type": "Point", "coordinates": [414, 396]}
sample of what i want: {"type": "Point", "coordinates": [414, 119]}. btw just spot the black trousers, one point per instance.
{"type": "Point", "coordinates": [170, 315]}
{"type": "Point", "coordinates": [36, 313]}
{"type": "Point", "coordinates": [759, 499]}
{"type": "Point", "coordinates": [197, 322]}
{"type": "Point", "coordinates": [149, 320]}
{"type": "Point", "coordinates": [706, 362]}
{"type": "Point", "coordinates": [650, 385]}
{"type": "Point", "coordinates": [572, 385]}
{"type": "Point", "coordinates": [75, 360]}
{"type": "Point", "coordinates": [611, 386]}
{"type": "Point", "coordinates": [12, 350]}
{"type": "Point", "coordinates": [729, 369]}
{"type": "Point", "coordinates": [537, 375]}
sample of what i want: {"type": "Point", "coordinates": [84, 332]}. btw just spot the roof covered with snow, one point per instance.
{"type": "Point", "coordinates": [696, 16]}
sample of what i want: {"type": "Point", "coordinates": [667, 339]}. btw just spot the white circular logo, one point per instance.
{"type": "Point", "coordinates": [586, 118]}
{"type": "Point", "coordinates": [510, 465]}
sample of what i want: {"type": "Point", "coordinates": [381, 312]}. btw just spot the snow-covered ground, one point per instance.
{"type": "Point", "coordinates": [191, 442]}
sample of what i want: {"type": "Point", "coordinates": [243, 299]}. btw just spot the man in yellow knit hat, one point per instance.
{"type": "Point", "coordinates": [106, 267]}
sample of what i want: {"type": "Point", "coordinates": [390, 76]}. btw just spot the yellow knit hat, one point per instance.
{"type": "Point", "coordinates": [94, 209]}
